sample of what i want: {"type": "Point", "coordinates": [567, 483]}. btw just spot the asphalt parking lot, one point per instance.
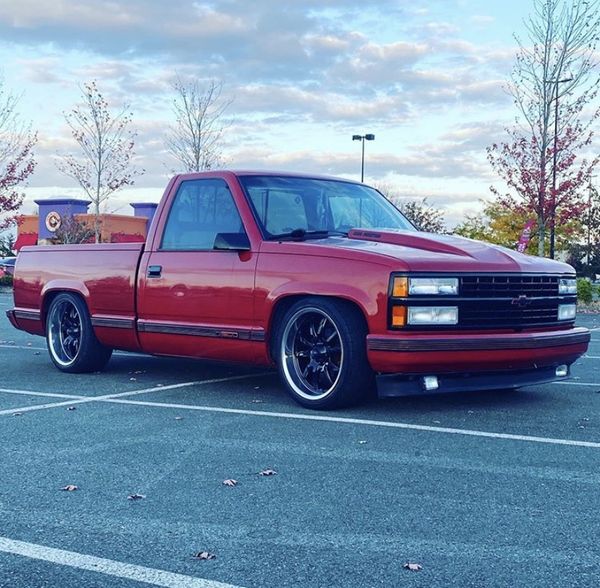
{"type": "Point", "coordinates": [480, 490]}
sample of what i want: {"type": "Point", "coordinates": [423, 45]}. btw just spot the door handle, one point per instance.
{"type": "Point", "coordinates": [154, 271]}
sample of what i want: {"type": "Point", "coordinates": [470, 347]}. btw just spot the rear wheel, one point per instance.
{"type": "Point", "coordinates": [71, 340]}
{"type": "Point", "coordinates": [321, 353]}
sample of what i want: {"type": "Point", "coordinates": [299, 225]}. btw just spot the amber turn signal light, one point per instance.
{"type": "Point", "coordinates": [398, 316]}
{"type": "Point", "coordinates": [400, 287]}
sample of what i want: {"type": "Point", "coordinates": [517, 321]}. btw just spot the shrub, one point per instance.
{"type": "Point", "coordinates": [584, 291]}
{"type": "Point", "coordinates": [6, 281]}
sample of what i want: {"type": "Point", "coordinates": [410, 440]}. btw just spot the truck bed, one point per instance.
{"type": "Point", "coordinates": [103, 274]}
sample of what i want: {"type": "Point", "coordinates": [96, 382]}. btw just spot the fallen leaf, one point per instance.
{"type": "Point", "coordinates": [267, 472]}
{"type": "Point", "coordinates": [178, 418]}
{"type": "Point", "coordinates": [436, 422]}
{"type": "Point", "coordinates": [133, 379]}
{"type": "Point", "coordinates": [17, 414]}
{"type": "Point", "coordinates": [230, 482]}
{"type": "Point", "coordinates": [72, 408]}
{"type": "Point", "coordinates": [413, 567]}
{"type": "Point", "coordinates": [36, 353]}
{"type": "Point", "coordinates": [361, 442]}
{"type": "Point", "coordinates": [28, 343]}
{"type": "Point", "coordinates": [70, 488]}
{"type": "Point", "coordinates": [204, 555]}
{"type": "Point", "coordinates": [136, 496]}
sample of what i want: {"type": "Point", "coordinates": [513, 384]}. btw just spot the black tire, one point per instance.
{"type": "Point", "coordinates": [70, 337]}
{"type": "Point", "coordinates": [320, 349]}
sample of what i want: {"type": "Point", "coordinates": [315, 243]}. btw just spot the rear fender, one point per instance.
{"type": "Point", "coordinates": [57, 286]}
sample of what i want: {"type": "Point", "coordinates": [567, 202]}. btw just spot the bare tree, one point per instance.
{"type": "Point", "coordinates": [106, 142]}
{"type": "Point", "coordinates": [16, 156]}
{"type": "Point", "coordinates": [194, 141]}
{"type": "Point", "coordinates": [553, 80]}
{"type": "Point", "coordinates": [418, 211]}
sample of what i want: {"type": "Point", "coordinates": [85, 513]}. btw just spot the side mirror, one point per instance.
{"type": "Point", "coordinates": [232, 242]}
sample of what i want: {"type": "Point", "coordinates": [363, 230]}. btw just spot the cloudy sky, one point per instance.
{"type": "Point", "coordinates": [425, 76]}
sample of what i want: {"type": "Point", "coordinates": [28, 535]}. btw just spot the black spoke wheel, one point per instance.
{"type": "Point", "coordinates": [321, 353]}
{"type": "Point", "coordinates": [72, 344]}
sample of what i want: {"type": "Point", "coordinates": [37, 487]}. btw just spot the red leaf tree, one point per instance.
{"type": "Point", "coordinates": [553, 83]}
{"type": "Point", "coordinates": [16, 157]}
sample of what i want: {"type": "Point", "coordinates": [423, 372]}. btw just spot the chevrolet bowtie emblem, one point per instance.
{"type": "Point", "coordinates": [521, 301]}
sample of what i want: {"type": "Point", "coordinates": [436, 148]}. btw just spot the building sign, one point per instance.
{"type": "Point", "coordinates": [53, 221]}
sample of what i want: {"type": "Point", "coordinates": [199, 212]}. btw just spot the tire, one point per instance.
{"type": "Point", "coordinates": [71, 340]}
{"type": "Point", "coordinates": [320, 349]}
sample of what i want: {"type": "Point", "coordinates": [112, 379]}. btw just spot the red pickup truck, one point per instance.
{"type": "Point", "coordinates": [322, 277]}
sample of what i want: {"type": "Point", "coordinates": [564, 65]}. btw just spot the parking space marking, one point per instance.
{"type": "Point", "coordinates": [117, 352]}
{"type": "Point", "coordinates": [575, 383]}
{"type": "Point", "coordinates": [105, 566]}
{"type": "Point", "coordinates": [366, 422]}
{"type": "Point", "coordinates": [23, 347]}
{"type": "Point", "coordinates": [107, 397]}
{"type": "Point", "coordinates": [45, 394]}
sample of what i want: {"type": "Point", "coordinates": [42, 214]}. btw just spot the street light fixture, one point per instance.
{"type": "Point", "coordinates": [553, 200]}
{"type": "Point", "coordinates": [367, 137]}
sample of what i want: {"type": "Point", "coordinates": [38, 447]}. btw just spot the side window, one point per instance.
{"type": "Point", "coordinates": [200, 210]}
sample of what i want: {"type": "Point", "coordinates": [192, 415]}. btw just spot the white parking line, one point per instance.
{"type": "Point", "coordinates": [23, 347]}
{"type": "Point", "coordinates": [31, 347]}
{"type": "Point", "coordinates": [366, 422]}
{"type": "Point", "coordinates": [108, 567]}
{"type": "Point", "coordinates": [107, 397]}
{"type": "Point", "coordinates": [45, 394]}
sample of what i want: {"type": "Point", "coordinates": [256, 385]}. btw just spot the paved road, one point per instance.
{"type": "Point", "coordinates": [482, 490]}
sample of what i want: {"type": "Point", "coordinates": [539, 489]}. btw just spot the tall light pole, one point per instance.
{"type": "Point", "coordinates": [368, 137]}
{"type": "Point", "coordinates": [554, 154]}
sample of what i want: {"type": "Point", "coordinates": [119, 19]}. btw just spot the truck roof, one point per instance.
{"type": "Point", "coordinates": [263, 172]}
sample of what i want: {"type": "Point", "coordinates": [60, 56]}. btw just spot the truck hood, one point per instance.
{"type": "Point", "coordinates": [419, 251]}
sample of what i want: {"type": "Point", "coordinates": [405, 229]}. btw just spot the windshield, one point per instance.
{"type": "Point", "coordinates": [302, 206]}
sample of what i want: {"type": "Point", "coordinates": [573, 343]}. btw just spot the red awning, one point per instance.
{"type": "Point", "coordinates": [25, 239]}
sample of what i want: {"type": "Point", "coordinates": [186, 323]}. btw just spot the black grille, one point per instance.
{"type": "Point", "coordinates": [507, 313]}
{"type": "Point", "coordinates": [508, 286]}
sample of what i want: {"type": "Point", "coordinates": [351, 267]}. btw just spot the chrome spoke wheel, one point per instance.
{"type": "Point", "coordinates": [64, 332]}
{"type": "Point", "coordinates": [312, 353]}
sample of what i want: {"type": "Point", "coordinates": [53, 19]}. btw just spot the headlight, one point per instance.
{"type": "Point", "coordinates": [403, 286]}
{"type": "Point", "coordinates": [567, 286]}
{"type": "Point", "coordinates": [433, 315]}
{"type": "Point", "coordinates": [566, 312]}
{"type": "Point", "coordinates": [435, 286]}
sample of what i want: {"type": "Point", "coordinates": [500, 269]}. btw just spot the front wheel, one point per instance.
{"type": "Point", "coordinates": [321, 353]}
{"type": "Point", "coordinates": [71, 340]}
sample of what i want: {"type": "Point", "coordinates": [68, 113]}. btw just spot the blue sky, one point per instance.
{"type": "Point", "coordinates": [425, 77]}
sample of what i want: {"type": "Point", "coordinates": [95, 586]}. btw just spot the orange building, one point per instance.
{"type": "Point", "coordinates": [55, 212]}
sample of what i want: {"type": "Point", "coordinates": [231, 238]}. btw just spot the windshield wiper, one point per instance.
{"type": "Point", "coordinates": [303, 234]}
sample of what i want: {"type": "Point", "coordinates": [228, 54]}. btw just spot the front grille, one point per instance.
{"type": "Point", "coordinates": [505, 313]}
{"type": "Point", "coordinates": [503, 286]}
{"type": "Point", "coordinates": [500, 301]}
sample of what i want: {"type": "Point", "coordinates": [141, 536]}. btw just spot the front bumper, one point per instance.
{"type": "Point", "coordinates": [394, 385]}
{"type": "Point", "coordinates": [463, 361]}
